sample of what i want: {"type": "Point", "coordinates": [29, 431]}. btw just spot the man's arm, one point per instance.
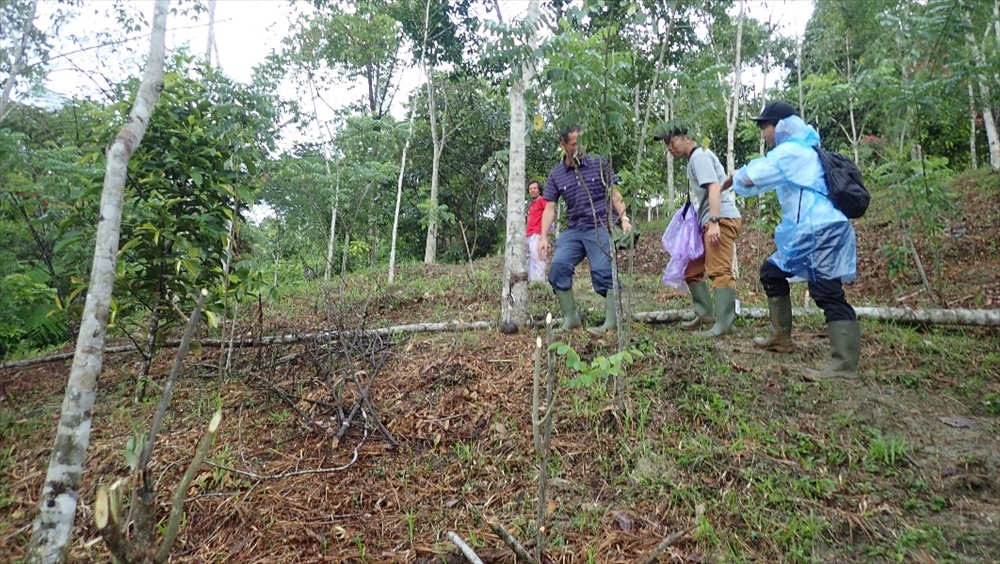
{"type": "Point", "coordinates": [620, 208]}
{"type": "Point", "coordinates": [712, 233]}
{"type": "Point", "coordinates": [548, 216]}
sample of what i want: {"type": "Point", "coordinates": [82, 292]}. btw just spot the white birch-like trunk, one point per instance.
{"type": "Point", "coordinates": [973, 159]}
{"type": "Point", "coordinates": [333, 233]}
{"type": "Point", "coordinates": [733, 108]}
{"type": "Point", "coordinates": [972, 317]}
{"type": "Point", "coordinates": [668, 114]}
{"type": "Point", "coordinates": [430, 249]}
{"type": "Point", "coordinates": [399, 200]}
{"type": "Point", "coordinates": [854, 137]}
{"type": "Point", "coordinates": [211, 34]}
{"type": "Point", "coordinates": [644, 130]}
{"type": "Point", "coordinates": [52, 532]}
{"type": "Point", "coordinates": [514, 294]}
{"type": "Point", "coordinates": [798, 70]}
{"type": "Point", "coordinates": [984, 93]}
{"type": "Point", "coordinates": [437, 141]}
{"type": "Point", "coordinates": [15, 69]}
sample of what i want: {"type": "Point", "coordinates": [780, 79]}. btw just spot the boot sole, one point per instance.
{"type": "Point", "coordinates": [784, 349]}
{"type": "Point", "coordinates": [818, 376]}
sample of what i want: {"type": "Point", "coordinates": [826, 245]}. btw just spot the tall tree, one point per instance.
{"type": "Point", "coordinates": [17, 15]}
{"type": "Point", "coordinates": [515, 278]}
{"type": "Point", "coordinates": [50, 537]}
{"type": "Point", "coordinates": [359, 40]}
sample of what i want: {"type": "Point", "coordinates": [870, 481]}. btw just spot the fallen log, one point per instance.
{"type": "Point", "coordinates": [969, 317]}
{"type": "Point", "coordinates": [973, 317]}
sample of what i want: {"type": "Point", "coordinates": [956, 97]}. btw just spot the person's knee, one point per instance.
{"type": "Point", "coordinates": [561, 275]}
{"type": "Point", "coordinates": [774, 281]}
{"type": "Point", "coordinates": [602, 282]}
{"type": "Point", "coordinates": [721, 276]}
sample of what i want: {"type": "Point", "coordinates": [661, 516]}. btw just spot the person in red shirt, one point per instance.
{"type": "Point", "coordinates": [536, 264]}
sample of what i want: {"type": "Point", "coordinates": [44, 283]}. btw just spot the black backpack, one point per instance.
{"type": "Point", "coordinates": [844, 184]}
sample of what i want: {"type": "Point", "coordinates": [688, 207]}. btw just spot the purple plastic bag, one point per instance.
{"type": "Point", "coordinates": [683, 241]}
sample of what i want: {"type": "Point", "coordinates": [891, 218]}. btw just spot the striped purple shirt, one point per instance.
{"type": "Point", "coordinates": [584, 191]}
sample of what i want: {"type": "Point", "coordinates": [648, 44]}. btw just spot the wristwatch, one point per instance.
{"type": "Point", "coordinates": [713, 219]}
{"type": "Point", "coordinates": [622, 218]}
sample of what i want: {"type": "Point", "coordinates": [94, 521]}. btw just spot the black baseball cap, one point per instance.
{"type": "Point", "coordinates": [775, 112]}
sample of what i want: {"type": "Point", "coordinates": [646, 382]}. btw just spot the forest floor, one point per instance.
{"type": "Point", "coordinates": [714, 437]}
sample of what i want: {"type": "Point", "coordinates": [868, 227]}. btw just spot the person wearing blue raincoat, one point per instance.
{"type": "Point", "coordinates": [814, 240]}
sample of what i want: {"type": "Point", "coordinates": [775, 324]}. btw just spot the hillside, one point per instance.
{"type": "Point", "coordinates": [715, 437]}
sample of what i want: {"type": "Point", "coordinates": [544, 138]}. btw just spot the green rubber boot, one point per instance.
{"type": "Point", "coordinates": [725, 314]}
{"type": "Point", "coordinates": [845, 348]}
{"type": "Point", "coordinates": [610, 315]}
{"type": "Point", "coordinates": [779, 339]}
{"type": "Point", "coordinates": [702, 307]}
{"type": "Point", "coordinates": [571, 318]}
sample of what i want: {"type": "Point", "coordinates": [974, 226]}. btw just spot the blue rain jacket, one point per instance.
{"type": "Point", "coordinates": [814, 240]}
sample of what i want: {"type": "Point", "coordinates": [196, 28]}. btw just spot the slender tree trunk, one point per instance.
{"type": "Point", "coordinates": [644, 130]}
{"type": "Point", "coordinates": [514, 294]}
{"type": "Point", "coordinates": [733, 108]}
{"type": "Point", "coordinates": [15, 69]}
{"type": "Point", "coordinates": [798, 70]}
{"type": "Point", "coordinates": [989, 122]}
{"type": "Point", "coordinates": [973, 159]}
{"type": "Point", "coordinates": [399, 199]}
{"type": "Point", "coordinates": [430, 249]}
{"type": "Point", "coordinates": [211, 34]}
{"type": "Point", "coordinates": [343, 260]}
{"type": "Point", "coordinates": [850, 101]}
{"type": "Point", "coordinates": [996, 22]}
{"type": "Point", "coordinates": [333, 234]}
{"type": "Point", "coordinates": [671, 186]}
{"type": "Point", "coordinates": [50, 537]}
{"type": "Point", "coordinates": [437, 140]}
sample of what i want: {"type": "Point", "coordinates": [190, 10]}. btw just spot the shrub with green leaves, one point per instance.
{"type": "Point", "coordinates": [29, 318]}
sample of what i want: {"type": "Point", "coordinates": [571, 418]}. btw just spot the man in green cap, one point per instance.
{"type": "Point", "coordinates": [720, 223]}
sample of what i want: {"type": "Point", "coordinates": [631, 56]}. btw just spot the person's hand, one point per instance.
{"type": "Point", "coordinates": [713, 235]}
{"type": "Point", "coordinates": [543, 247]}
{"type": "Point", "coordinates": [728, 182]}
{"type": "Point", "coordinates": [626, 224]}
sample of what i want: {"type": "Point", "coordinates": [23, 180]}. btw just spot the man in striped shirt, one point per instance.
{"type": "Point", "coordinates": [583, 181]}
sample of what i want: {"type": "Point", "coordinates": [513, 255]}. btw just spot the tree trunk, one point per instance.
{"type": "Point", "coordinates": [15, 69]}
{"type": "Point", "coordinates": [733, 107]}
{"type": "Point", "coordinates": [399, 200]}
{"type": "Point", "coordinates": [973, 317]}
{"type": "Point", "coordinates": [973, 159]}
{"type": "Point", "coordinates": [984, 92]}
{"type": "Point", "coordinates": [514, 294]}
{"type": "Point", "coordinates": [668, 114]}
{"type": "Point", "coordinates": [854, 137]}
{"type": "Point", "coordinates": [430, 249]}
{"type": "Point", "coordinates": [798, 70]}
{"type": "Point", "coordinates": [437, 140]}
{"type": "Point", "coordinates": [50, 537]}
{"type": "Point", "coordinates": [211, 46]}
{"type": "Point", "coordinates": [644, 130]}
{"type": "Point", "coordinates": [333, 223]}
